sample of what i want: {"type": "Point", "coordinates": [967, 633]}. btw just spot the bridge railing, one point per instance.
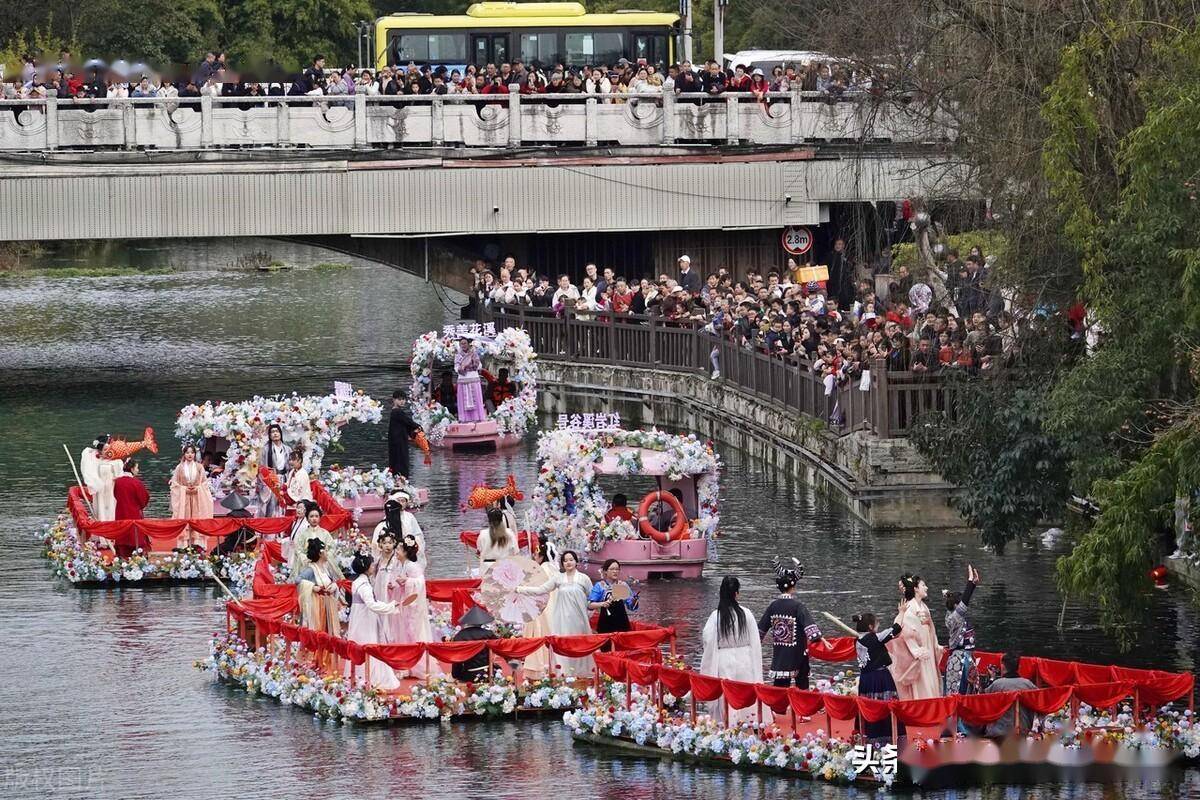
{"type": "Point", "coordinates": [456, 120]}
{"type": "Point", "coordinates": [886, 404]}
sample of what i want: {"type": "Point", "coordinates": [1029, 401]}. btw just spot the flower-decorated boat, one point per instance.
{"type": "Point", "coordinates": [1092, 722]}
{"type": "Point", "coordinates": [263, 652]}
{"type": "Point", "coordinates": [509, 418]}
{"type": "Point", "coordinates": [313, 423]}
{"type": "Point", "coordinates": [569, 507]}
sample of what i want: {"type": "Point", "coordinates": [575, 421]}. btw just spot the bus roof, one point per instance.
{"type": "Point", "coordinates": [491, 14]}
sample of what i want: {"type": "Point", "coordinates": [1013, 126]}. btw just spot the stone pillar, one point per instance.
{"type": "Point", "coordinates": [51, 123]}
{"type": "Point", "coordinates": [591, 122]}
{"type": "Point", "coordinates": [797, 118]}
{"type": "Point", "coordinates": [733, 121]}
{"type": "Point", "coordinates": [880, 410]}
{"type": "Point", "coordinates": [437, 122]}
{"type": "Point", "coordinates": [206, 121]}
{"type": "Point", "coordinates": [514, 119]}
{"type": "Point", "coordinates": [283, 124]}
{"type": "Point", "coordinates": [360, 121]}
{"type": "Point", "coordinates": [129, 125]}
{"type": "Point", "coordinates": [668, 111]}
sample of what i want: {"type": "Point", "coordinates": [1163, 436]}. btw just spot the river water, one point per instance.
{"type": "Point", "coordinates": [99, 692]}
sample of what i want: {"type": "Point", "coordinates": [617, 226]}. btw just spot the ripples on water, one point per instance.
{"type": "Point", "coordinates": [100, 694]}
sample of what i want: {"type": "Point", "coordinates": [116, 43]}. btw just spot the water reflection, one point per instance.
{"type": "Point", "coordinates": [101, 696]}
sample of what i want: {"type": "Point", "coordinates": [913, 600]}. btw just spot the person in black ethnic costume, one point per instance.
{"type": "Point", "coordinates": [874, 678]}
{"type": "Point", "coordinates": [791, 628]}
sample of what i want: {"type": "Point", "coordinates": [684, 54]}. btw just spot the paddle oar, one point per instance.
{"type": "Point", "coordinates": [226, 589]}
{"type": "Point", "coordinates": [841, 624]}
{"type": "Point", "coordinates": [79, 481]}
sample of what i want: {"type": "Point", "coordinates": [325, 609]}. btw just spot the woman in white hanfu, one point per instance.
{"type": "Point", "coordinates": [306, 530]}
{"type": "Point", "coordinates": [411, 623]}
{"type": "Point", "coordinates": [733, 650]}
{"type": "Point", "coordinates": [496, 542]}
{"type": "Point", "coordinates": [367, 616]}
{"type": "Point", "coordinates": [320, 598]}
{"type": "Point", "coordinates": [537, 665]}
{"type": "Point", "coordinates": [570, 614]}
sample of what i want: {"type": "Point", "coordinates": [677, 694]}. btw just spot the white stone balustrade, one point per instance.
{"type": "Point", "coordinates": [493, 121]}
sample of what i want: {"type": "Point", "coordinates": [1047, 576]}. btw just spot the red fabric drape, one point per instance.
{"type": "Point", "coordinates": [455, 652]}
{"type": "Point", "coordinates": [805, 703]}
{"type": "Point", "coordinates": [839, 706]}
{"type": "Point", "coordinates": [841, 649]}
{"type": "Point", "coordinates": [739, 694]}
{"type": "Point", "coordinates": [1103, 695]}
{"type": "Point", "coordinates": [931, 711]}
{"type": "Point", "coordinates": [642, 674]}
{"type": "Point", "coordinates": [638, 640]}
{"type": "Point", "coordinates": [1057, 673]}
{"type": "Point", "coordinates": [874, 710]}
{"type": "Point", "coordinates": [577, 646]}
{"type": "Point", "coordinates": [1045, 701]}
{"type": "Point", "coordinates": [773, 697]}
{"type": "Point", "coordinates": [397, 656]}
{"type": "Point", "coordinates": [612, 665]}
{"type": "Point", "coordinates": [1157, 691]}
{"type": "Point", "coordinates": [677, 681]}
{"type": "Point", "coordinates": [516, 648]}
{"type": "Point", "coordinates": [984, 709]}
{"type": "Point", "coordinates": [705, 688]}
{"type": "Point", "coordinates": [1094, 673]}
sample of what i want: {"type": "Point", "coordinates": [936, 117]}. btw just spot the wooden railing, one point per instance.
{"type": "Point", "coordinates": [887, 407]}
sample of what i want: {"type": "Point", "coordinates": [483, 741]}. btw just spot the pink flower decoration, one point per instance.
{"type": "Point", "coordinates": [508, 574]}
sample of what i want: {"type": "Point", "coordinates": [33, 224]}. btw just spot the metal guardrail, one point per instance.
{"type": "Point", "coordinates": [886, 408]}
{"type": "Point", "coordinates": [497, 120]}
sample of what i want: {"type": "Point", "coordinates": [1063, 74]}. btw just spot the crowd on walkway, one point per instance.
{"type": "Point", "coordinates": [214, 77]}
{"type": "Point", "coordinates": [837, 326]}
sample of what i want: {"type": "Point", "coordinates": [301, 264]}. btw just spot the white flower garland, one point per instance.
{"type": "Point", "coordinates": [510, 348]}
{"type": "Point", "coordinates": [567, 458]}
{"type": "Point", "coordinates": [313, 422]}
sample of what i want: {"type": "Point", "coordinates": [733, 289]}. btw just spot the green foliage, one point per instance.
{"type": "Point", "coordinates": [990, 241]}
{"type": "Point", "coordinates": [1010, 471]}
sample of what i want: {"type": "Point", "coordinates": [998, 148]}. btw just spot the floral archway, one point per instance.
{"type": "Point", "coordinates": [509, 348]}
{"type": "Point", "coordinates": [569, 505]}
{"type": "Point", "coordinates": [313, 422]}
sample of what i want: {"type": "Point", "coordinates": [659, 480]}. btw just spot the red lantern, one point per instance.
{"type": "Point", "coordinates": [1159, 576]}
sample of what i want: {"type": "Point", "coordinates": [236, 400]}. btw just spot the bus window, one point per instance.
{"type": "Point", "coordinates": [440, 48]}
{"type": "Point", "coordinates": [599, 47]}
{"type": "Point", "coordinates": [541, 47]}
{"type": "Point", "coordinates": [490, 48]}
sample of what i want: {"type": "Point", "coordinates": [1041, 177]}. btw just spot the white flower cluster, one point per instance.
{"type": "Point", "coordinates": [493, 699]}
{"type": "Point", "coordinates": [348, 483]}
{"type": "Point", "coordinates": [312, 422]}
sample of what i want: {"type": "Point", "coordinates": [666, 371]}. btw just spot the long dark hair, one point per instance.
{"type": "Point", "coordinates": [729, 613]}
{"type": "Point", "coordinates": [910, 585]}
{"type": "Point", "coordinates": [496, 527]}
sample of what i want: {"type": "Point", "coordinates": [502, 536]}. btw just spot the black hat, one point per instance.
{"type": "Point", "coordinates": [787, 576]}
{"type": "Point", "coordinates": [475, 617]}
{"type": "Point", "coordinates": [235, 502]}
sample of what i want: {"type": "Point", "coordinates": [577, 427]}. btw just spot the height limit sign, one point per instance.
{"type": "Point", "coordinates": [797, 240]}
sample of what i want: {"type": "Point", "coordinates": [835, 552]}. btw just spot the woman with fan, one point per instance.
{"type": "Point", "coordinates": [613, 599]}
{"type": "Point", "coordinates": [538, 663]}
{"type": "Point", "coordinates": [570, 614]}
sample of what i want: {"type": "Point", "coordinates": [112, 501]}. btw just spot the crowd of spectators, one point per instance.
{"type": "Point", "coordinates": [213, 77]}
{"type": "Point", "coordinates": [837, 327]}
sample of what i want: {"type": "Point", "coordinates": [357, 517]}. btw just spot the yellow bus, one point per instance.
{"type": "Point", "coordinates": [548, 33]}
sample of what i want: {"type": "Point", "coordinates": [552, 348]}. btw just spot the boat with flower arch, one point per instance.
{"type": "Point", "coordinates": [570, 509]}
{"type": "Point", "coordinates": [508, 421]}
{"type": "Point", "coordinates": [234, 434]}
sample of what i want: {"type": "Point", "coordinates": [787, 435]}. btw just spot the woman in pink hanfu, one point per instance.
{"type": "Point", "coordinates": [367, 615]}
{"type": "Point", "coordinates": [470, 388]}
{"type": "Point", "coordinates": [191, 496]}
{"type": "Point", "coordinates": [411, 623]}
{"type": "Point", "coordinates": [915, 652]}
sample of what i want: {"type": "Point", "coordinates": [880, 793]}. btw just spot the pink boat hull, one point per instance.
{"type": "Point", "coordinates": [476, 435]}
{"type": "Point", "coordinates": [645, 559]}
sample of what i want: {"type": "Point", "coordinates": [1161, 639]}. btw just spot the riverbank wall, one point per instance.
{"type": "Point", "coordinates": [884, 482]}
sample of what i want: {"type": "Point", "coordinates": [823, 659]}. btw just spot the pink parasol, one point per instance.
{"type": "Point", "coordinates": [498, 591]}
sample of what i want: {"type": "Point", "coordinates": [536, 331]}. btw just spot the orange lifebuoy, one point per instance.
{"type": "Point", "coordinates": [677, 527]}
